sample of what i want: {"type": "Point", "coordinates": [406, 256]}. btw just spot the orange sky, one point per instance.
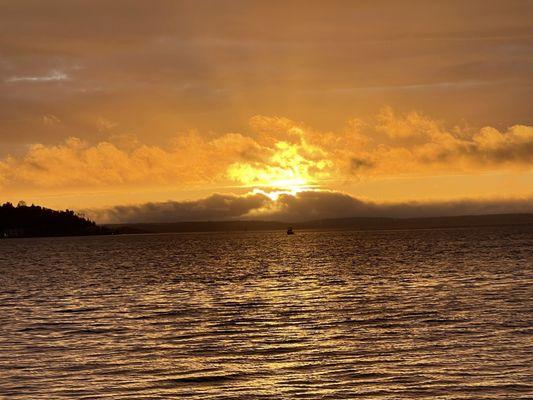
{"type": "Point", "coordinates": [117, 103]}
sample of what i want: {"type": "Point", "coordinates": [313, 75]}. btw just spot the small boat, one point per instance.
{"type": "Point", "coordinates": [290, 231]}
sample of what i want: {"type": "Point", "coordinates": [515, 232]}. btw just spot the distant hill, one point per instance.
{"type": "Point", "coordinates": [29, 221]}
{"type": "Point", "coordinates": [340, 223]}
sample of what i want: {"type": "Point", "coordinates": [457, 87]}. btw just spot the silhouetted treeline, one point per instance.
{"type": "Point", "coordinates": [28, 221]}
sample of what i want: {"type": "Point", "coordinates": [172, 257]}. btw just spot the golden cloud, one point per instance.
{"type": "Point", "coordinates": [279, 153]}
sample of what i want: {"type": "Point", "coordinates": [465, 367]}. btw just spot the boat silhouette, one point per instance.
{"type": "Point", "coordinates": [290, 231]}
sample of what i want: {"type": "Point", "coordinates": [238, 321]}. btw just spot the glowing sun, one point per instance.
{"type": "Point", "coordinates": [289, 169]}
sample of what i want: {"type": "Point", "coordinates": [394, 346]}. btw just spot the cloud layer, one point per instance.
{"type": "Point", "coordinates": [303, 206]}
{"type": "Point", "coordinates": [154, 67]}
{"type": "Point", "coordinates": [215, 207]}
{"type": "Point", "coordinates": [276, 152]}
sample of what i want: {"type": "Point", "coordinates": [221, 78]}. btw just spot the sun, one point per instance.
{"type": "Point", "coordinates": [287, 170]}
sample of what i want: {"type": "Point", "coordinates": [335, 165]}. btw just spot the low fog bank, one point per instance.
{"type": "Point", "coordinates": [304, 206]}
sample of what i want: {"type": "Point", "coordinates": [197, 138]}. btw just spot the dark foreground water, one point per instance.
{"type": "Point", "coordinates": [318, 315]}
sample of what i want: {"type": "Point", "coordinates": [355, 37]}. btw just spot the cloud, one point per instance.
{"type": "Point", "coordinates": [50, 120]}
{"type": "Point", "coordinates": [327, 204]}
{"type": "Point", "coordinates": [52, 76]}
{"type": "Point", "coordinates": [415, 143]}
{"type": "Point", "coordinates": [215, 207]}
{"type": "Point", "coordinates": [303, 206]}
{"type": "Point", "coordinates": [279, 152]}
{"type": "Point", "coordinates": [124, 161]}
{"type": "Point", "coordinates": [414, 86]}
{"type": "Point", "coordinates": [175, 65]}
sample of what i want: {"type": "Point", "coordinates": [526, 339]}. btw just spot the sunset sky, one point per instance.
{"type": "Point", "coordinates": [180, 110]}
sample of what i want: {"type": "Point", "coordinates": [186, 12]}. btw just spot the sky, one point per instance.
{"type": "Point", "coordinates": [188, 110]}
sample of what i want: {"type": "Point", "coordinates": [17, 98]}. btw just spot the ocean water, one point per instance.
{"type": "Point", "coordinates": [430, 314]}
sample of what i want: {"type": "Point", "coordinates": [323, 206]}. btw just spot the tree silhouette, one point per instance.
{"type": "Point", "coordinates": [26, 221]}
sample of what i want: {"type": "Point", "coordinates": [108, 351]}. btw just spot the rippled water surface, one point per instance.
{"type": "Point", "coordinates": [318, 315]}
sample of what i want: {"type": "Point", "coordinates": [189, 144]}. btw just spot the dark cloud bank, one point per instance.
{"type": "Point", "coordinates": [304, 206]}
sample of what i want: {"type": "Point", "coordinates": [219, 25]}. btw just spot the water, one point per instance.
{"type": "Point", "coordinates": [318, 315]}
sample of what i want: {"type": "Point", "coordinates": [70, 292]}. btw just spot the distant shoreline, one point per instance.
{"type": "Point", "coordinates": [361, 224]}
{"type": "Point", "coordinates": [25, 221]}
